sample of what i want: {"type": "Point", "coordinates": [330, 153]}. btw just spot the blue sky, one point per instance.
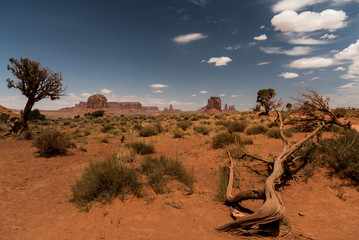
{"type": "Point", "coordinates": [181, 52]}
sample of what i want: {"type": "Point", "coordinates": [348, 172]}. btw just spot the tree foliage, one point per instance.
{"type": "Point", "coordinates": [264, 97]}
{"type": "Point", "coordinates": [35, 82]}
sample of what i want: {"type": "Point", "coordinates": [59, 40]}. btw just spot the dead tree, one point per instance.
{"type": "Point", "coordinates": [315, 109]}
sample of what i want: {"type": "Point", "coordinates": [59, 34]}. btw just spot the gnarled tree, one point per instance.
{"type": "Point", "coordinates": [264, 98]}
{"type": "Point", "coordinates": [36, 83]}
{"type": "Point", "coordinates": [314, 108]}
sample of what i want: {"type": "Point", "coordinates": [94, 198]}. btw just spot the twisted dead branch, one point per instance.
{"type": "Point", "coordinates": [273, 211]}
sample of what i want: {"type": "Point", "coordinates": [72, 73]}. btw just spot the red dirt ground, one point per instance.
{"type": "Point", "coordinates": [35, 197]}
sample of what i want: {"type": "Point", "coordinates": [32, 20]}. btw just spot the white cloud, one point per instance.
{"type": "Point", "coordinates": [289, 75]}
{"type": "Point", "coordinates": [222, 61]}
{"type": "Point", "coordinates": [222, 95]}
{"type": "Point", "coordinates": [233, 47]}
{"type": "Point", "coordinates": [201, 3]}
{"type": "Point", "coordinates": [295, 51]}
{"type": "Point", "coordinates": [183, 39]}
{"type": "Point", "coordinates": [234, 96]}
{"type": "Point", "coordinates": [106, 91]}
{"type": "Point", "coordinates": [346, 95]}
{"type": "Point", "coordinates": [283, 5]}
{"type": "Point", "coordinates": [261, 37]}
{"type": "Point", "coordinates": [291, 21]}
{"type": "Point", "coordinates": [263, 63]}
{"type": "Point", "coordinates": [314, 62]}
{"type": "Point", "coordinates": [86, 94]}
{"type": "Point", "coordinates": [328, 36]}
{"type": "Point", "coordinates": [306, 41]}
{"type": "Point", "coordinates": [158, 85]}
{"type": "Point", "coordinates": [262, 27]}
{"type": "Point", "coordinates": [203, 92]}
{"type": "Point", "coordinates": [339, 69]}
{"type": "Point", "coordinates": [194, 95]}
{"type": "Point", "coordinates": [251, 44]}
{"type": "Point", "coordinates": [203, 61]}
{"type": "Point", "coordinates": [348, 76]}
{"type": "Point", "coordinates": [314, 78]}
{"type": "Point", "coordinates": [157, 91]}
{"type": "Point", "coordinates": [351, 53]}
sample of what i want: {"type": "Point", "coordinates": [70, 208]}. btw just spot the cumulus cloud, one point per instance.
{"type": "Point", "coordinates": [291, 21]}
{"type": "Point", "coordinates": [233, 47]}
{"type": "Point", "coordinates": [289, 75]}
{"type": "Point", "coordinates": [261, 37]}
{"type": "Point", "coordinates": [158, 85]}
{"type": "Point", "coordinates": [263, 63]}
{"type": "Point", "coordinates": [157, 91]}
{"type": "Point", "coordinates": [314, 62]}
{"type": "Point", "coordinates": [295, 51]}
{"type": "Point", "coordinates": [203, 92]}
{"type": "Point", "coordinates": [234, 96]}
{"type": "Point", "coordinates": [222, 95]}
{"type": "Point", "coordinates": [183, 39]}
{"type": "Point", "coordinates": [348, 76]}
{"type": "Point", "coordinates": [339, 69]}
{"type": "Point", "coordinates": [351, 53]}
{"type": "Point", "coordinates": [306, 41]}
{"type": "Point", "coordinates": [222, 61]}
{"type": "Point", "coordinates": [194, 95]}
{"type": "Point", "coordinates": [328, 36]}
{"type": "Point", "coordinates": [314, 78]}
{"type": "Point", "coordinates": [85, 94]}
{"type": "Point", "coordinates": [283, 5]}
{"type": "Point", "coordinates": [106, 91]}
{"type": "Point", "coordinates": [262, 27]}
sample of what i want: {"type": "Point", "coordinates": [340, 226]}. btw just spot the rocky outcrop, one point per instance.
{"type": "Point", "coordinates": [232, 108]}
{"type": "Point", "coordinates": [97, 101]}
{"type": "Point", "coordinates": [214, 103]}
{"type": "Point", "coordinates": [225, 107]}
{"type": "Point", "coordinates": [150, 108]}
{"type": "Point", "coordinates": [124, 105]}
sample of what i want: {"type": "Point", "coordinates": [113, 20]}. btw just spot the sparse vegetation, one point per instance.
{"type": "Point", "coordinates": [51, 142]}
{"type": "Point", "coordinates": [256, 129]}
{"type": "Point", "coordinates": [222, 139]}
{"type": "Point", "coordinates": [201, 129]}
{"type": "Point", "coordinates": [102, 181]}
{"type": "Point", "coordinates": [141, 147]}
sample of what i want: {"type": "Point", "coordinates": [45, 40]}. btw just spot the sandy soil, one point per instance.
{"type": "Point", "coordinates": [35, 197]}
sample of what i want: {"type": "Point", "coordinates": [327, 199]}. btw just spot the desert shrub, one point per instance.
{"type": "Point", "coordinates": [245, 140]}
{"type": "Point", "coordinates": [35, 115]}
{"type": "Point", "coordinates": [273, 124]}
{"type": "Point", "coordinates": [150, 130]}
{"type": "Point", "coordinates": [256, 129]}
{"type": "Point", "coordinates": [178, 133]}
{"type": "Point", "coordinates": [342, 154]}
{"type": "Point", "coordinates": [275, 133]}
{"type": "Point", "coordinates": [222, 139]}
{"type": "Point", "coordinates": [156, 171]}
{"type": "Point", "coordinates": [137, 127]}
{"type": "Point", "coordinates": [4, 117]}
{"type": "Point", "coordinates": [107, 127]}
{"type": "Point", "coordinates": [98, 113]}
{"type": "Point", "coordinates": [184, 125]}
{"type": "Point", "coordinates": [13, 119]}
{"type": "Point", "coordinates": [201, 129]}
{"type": "Point", "coordinates": [51, 142]}
{"type": "Point", "coordinates": [27, 134]}
{"type": "Point", "coordinates": [223, 178]}
{"type": "Point", "coordinates": [102, 181]}
{"type": "Point", "coordinates": [141, 148]}
{"type": "Point", "coordinates": [236, 126]}
{"type": "Point", "coordinates": [340, 112]}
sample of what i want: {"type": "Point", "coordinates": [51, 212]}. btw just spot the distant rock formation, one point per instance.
{"type": "Point", "coordinates": [232, 108]}
{"type": "Point", "coordinates": [171, 108]}
{"type": "Point", "coordinates": [214, 103]}
{"type": "Point", "coordinates": [97, 101]}
{"type": "Point", "coordinates": [100, 101]}
{"type": "Point", "coordinates": [225, 107]}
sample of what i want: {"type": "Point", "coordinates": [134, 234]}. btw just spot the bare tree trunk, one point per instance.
{"type": "Point", "coordinates": [25, 114]}
{"type": "Point", "coordinates": [273, 208]}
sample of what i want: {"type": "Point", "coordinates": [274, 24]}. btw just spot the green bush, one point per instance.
{"type": "Point", "coordinates": [184, 125]}
{"type": "Point", "coordinates": [107, 127]}
{"type": "Point", "coordinates": [340, 112]}
{"type": "Point", "coordinates": [35, 115]}
{"type": "Point", "coordinates": [342, 154]}
{"type": "Point", "coordinates": [178, 133]}
{"type": "Point", "coordinates": [256, 129]}
{"type": "Point", "coordinates": [156, 171]}
{"type": "Point", "coordinates": [141, 148]}
{"type": "Point", "coordinates": [222, 139]}
{"type": "Point", "coordinates": [236, 126]}
{"type": "Point", "coordinates": [98, 113]}
{"type": "Point", "coordinates": [150, 130]}
{"type": "Point", "coordinates": [51, 142]}
{"type": "Point", "coordinates": [201, 129]}
{"type": "Point", "coordinates": [102, 181]}
{"type": "Point", "coordinates": [275, 133]}
{"type": "Point", "coordinates": [4, 117]}
{"type": "Point", "coordinates": [273, 124]}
